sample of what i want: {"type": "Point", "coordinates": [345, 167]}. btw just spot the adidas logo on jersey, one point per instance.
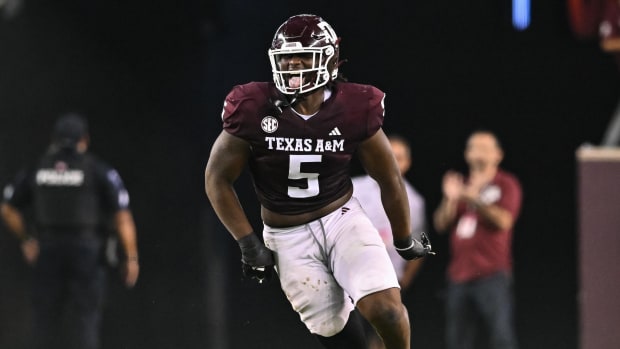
{"type": "Point", "coordinates": [335, 132]}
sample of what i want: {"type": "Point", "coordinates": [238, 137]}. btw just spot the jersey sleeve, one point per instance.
{"type": "Point", "coordinates": [231, 116]}
{"type": "Point", "coordinates": [18, 192]}
{"type": "Point", "coordinates": [376, 111]}
{"type": "Point", "coordinates": [114, 194]}
{"type": "Point", "coordinates": [240, 109]}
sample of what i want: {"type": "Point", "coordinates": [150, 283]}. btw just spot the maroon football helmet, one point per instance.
{"type": "Point", "coordinates": [305, 35]}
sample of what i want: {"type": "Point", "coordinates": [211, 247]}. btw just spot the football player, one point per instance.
{"type": "Point", "coordinates": [298, 135]}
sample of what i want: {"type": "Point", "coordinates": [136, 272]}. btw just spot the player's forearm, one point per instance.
{"type": "Point", "coordinates": [14, 221]}
{"type": "Point", "coordinates": [226, 204]}
{"type": "Point", "coordinates": [126, 230]}
{"type": "Point", "coordinates": [445, 215]}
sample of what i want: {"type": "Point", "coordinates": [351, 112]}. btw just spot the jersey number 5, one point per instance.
{"type": "Point", "coordinates": [294, 172]}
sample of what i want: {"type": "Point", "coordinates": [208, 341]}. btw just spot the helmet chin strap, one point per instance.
{"type": "Point", "coordinates": [295, 98]}
{"type": "Point", "coordinates": [283, 102]}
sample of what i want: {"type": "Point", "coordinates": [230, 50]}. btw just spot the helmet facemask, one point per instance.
{"type": "Point", "coordinates": [324, 68]}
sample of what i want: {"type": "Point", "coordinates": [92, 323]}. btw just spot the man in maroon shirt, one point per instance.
{"type": "Point", "coordinates": [480, 212]}
{"type": "Point", "coordinates": [298, 135]}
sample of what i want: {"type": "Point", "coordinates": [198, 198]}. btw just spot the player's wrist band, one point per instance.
{"type": "Point", "coordinates": [132, 259]}
{"type": "Point", "coordinates": [406, 248]}
{"type": "Point", "coordinates": [409, 242]}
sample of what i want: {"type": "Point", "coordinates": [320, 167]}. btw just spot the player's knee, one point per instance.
{"type": "Point", "coordinates": [389, 314]}
{"type": "Point", "coordinates": [383, 309]}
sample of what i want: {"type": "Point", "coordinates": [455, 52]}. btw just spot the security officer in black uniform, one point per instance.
{"type": "Point", "coordinates": [72, 197]}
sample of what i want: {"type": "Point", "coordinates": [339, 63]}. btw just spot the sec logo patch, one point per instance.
{"type": "Point", "coordinates": [269, 124]}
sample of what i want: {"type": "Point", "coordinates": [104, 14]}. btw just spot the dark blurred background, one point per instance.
{"type": "Point", "coordinates": [151, 76]}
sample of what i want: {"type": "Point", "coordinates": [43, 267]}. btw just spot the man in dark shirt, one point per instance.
{"type": "Point", "coordinates": [72, 196]}
{"type": "Point", "coordinates": [298, 135]}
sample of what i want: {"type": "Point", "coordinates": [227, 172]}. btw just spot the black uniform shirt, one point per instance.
{"type": "Point", "coordinates": [68, 190]}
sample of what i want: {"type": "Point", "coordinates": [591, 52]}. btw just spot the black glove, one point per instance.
{"type": "Point", "coordinates": [256, 259]}
{"type": "Point", "coordinates": [411, 248]}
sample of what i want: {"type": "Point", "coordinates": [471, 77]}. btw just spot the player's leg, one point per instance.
{"type": "Point", "coordinates": [460, 318]}
{"type": "Point", "coordinates": [493, 296]}
{"type": "Point", "coordinates": [374, 341]}
{"type": "Point", "coordinates": [311, 288]}
{"type": "Point", "coordinates": [386, 312]}
{"type": "Point", "coordinates": [362, 267]}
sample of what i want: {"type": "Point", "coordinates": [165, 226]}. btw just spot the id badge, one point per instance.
{"type": "Point", "coordinates": [467, 226]}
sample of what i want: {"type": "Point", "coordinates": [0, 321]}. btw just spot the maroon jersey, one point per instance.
{"type": "Point", "coordinates": [302, 165]}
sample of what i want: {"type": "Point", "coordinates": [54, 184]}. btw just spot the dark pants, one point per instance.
{"type": "Point", "coordinates": [68, 293]}
{"type": "Point", "coordinates": [485, 304]}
